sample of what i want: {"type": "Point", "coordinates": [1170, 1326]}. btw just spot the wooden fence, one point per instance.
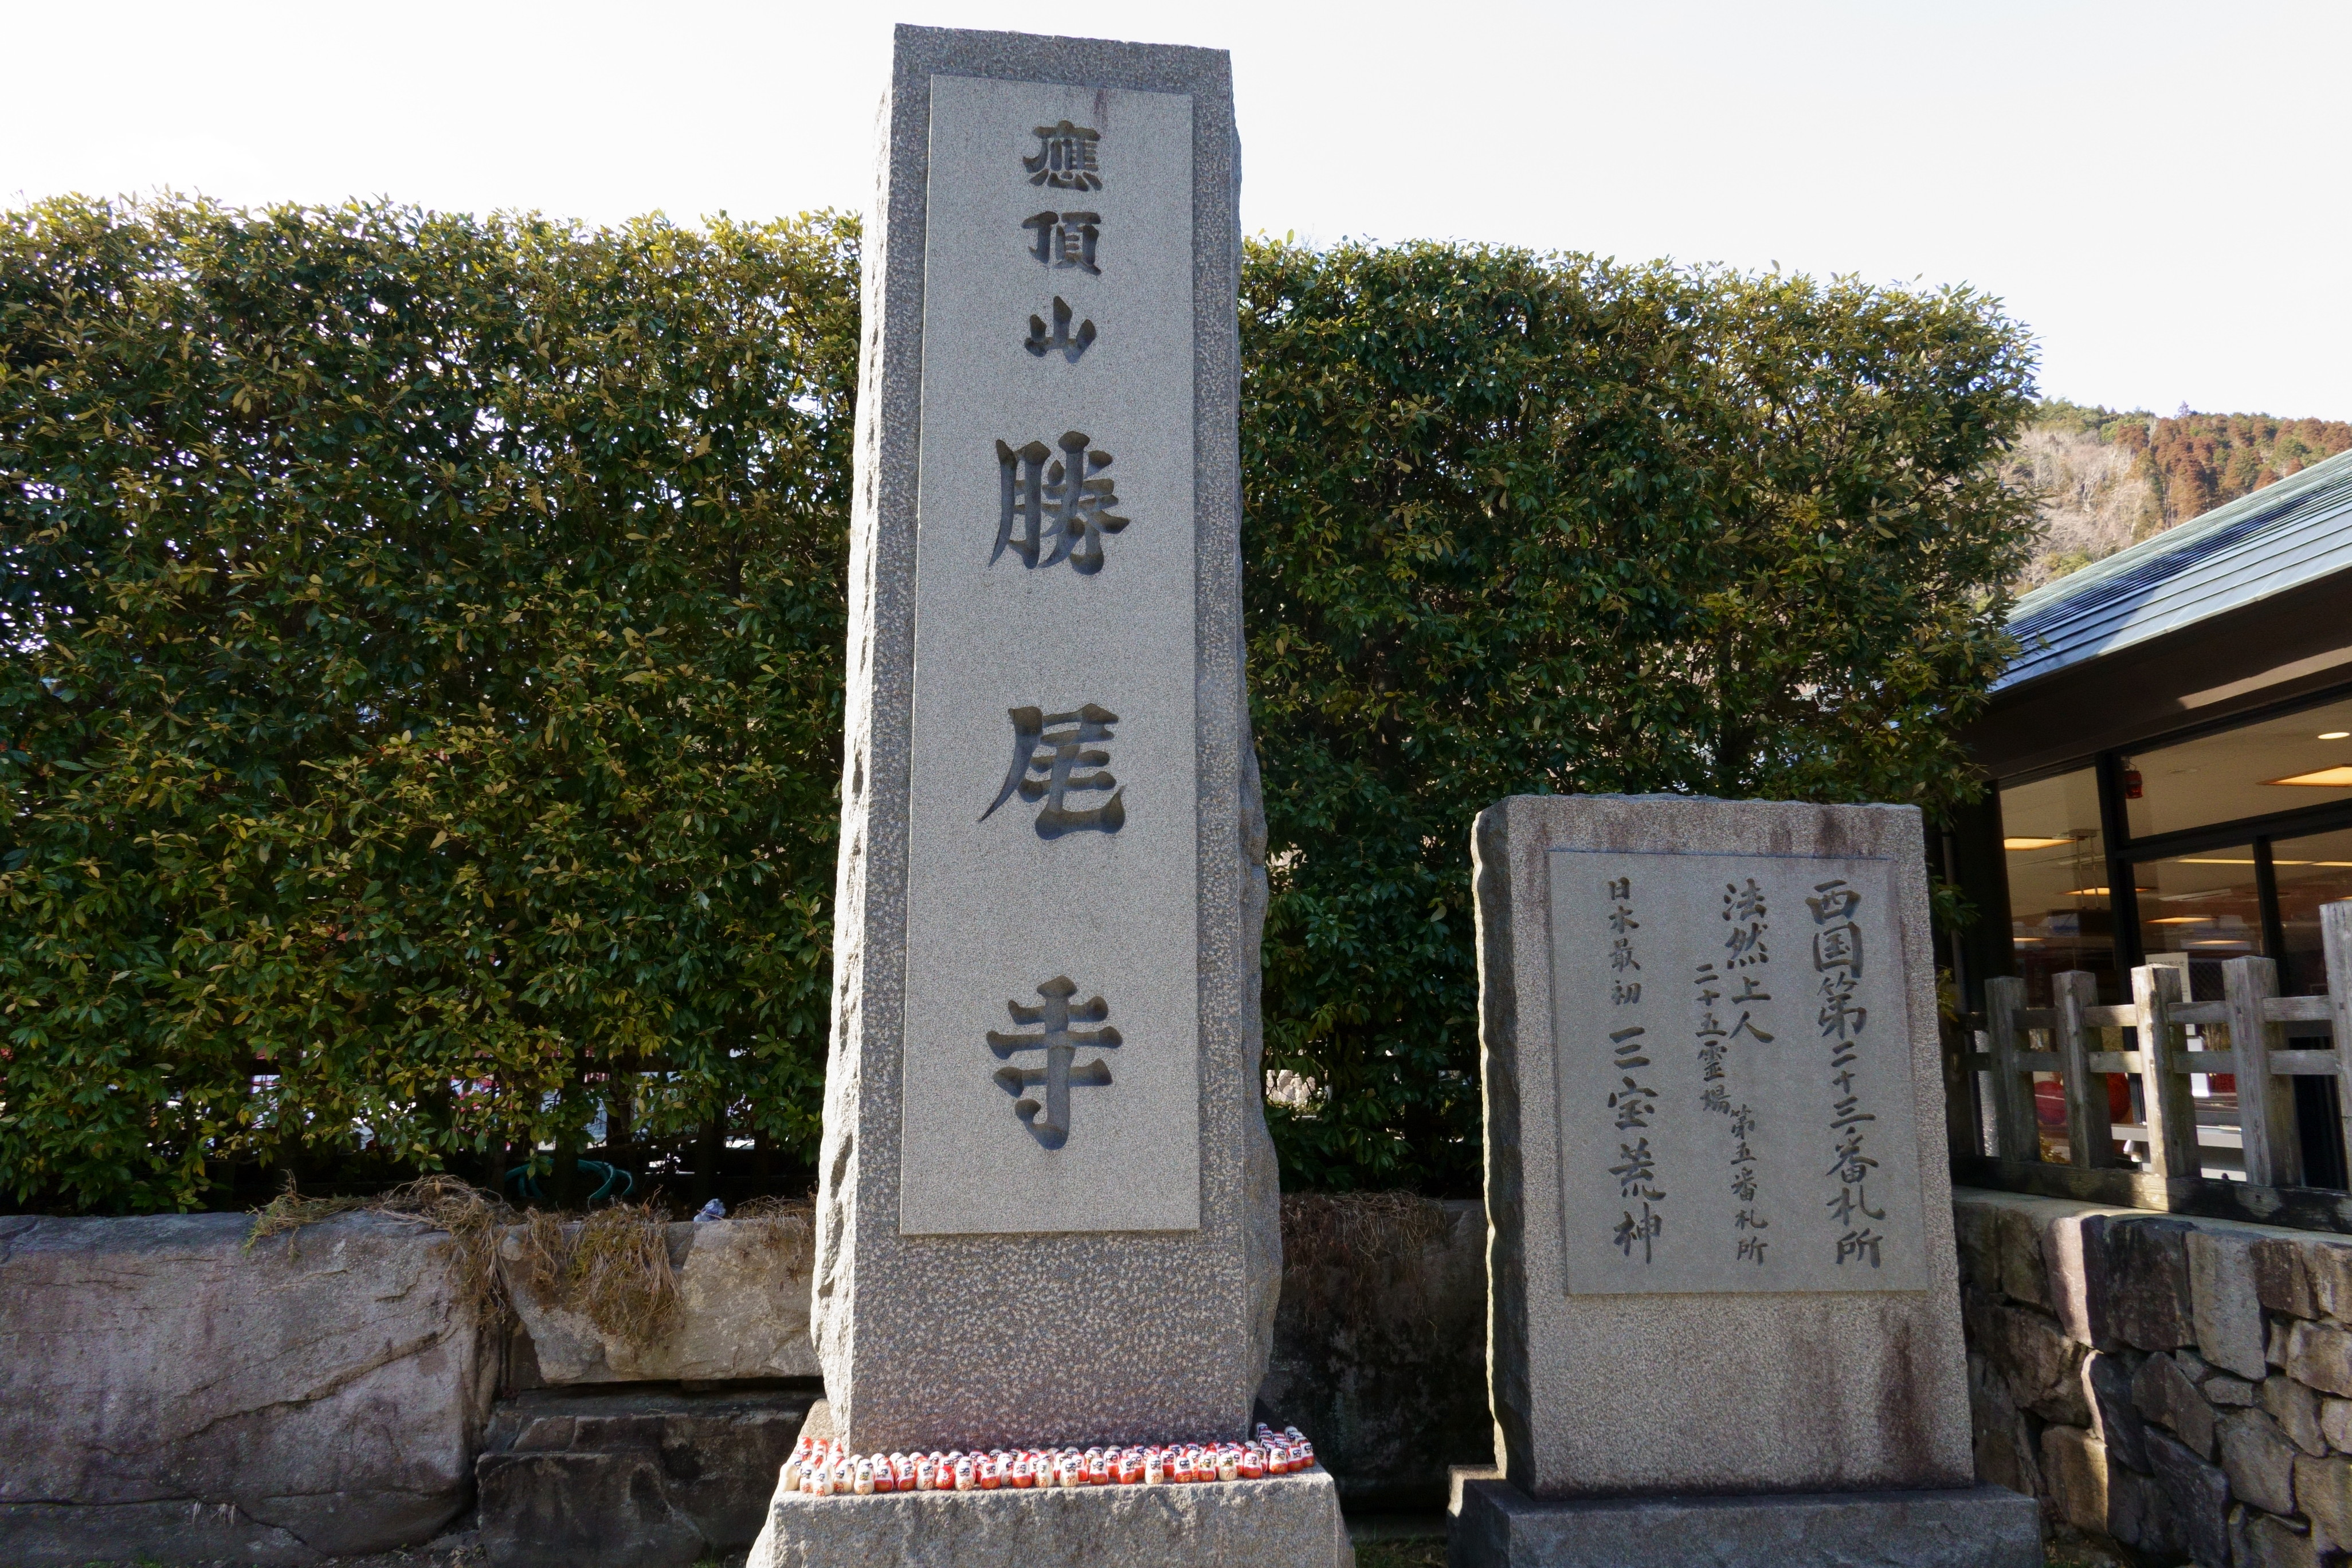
{"type": "Point", "coordinates": [2161, 1039]}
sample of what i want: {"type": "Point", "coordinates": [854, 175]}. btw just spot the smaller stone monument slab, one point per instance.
{"type": "Point", "coordinates": [1721, 1254]}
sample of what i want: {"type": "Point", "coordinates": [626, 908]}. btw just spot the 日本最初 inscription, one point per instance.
{"type": "Point", "coordinates": [1725, 1048]}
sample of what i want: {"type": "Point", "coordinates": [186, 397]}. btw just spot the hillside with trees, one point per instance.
{"type": "Point", "coordinates": [2113, 478]}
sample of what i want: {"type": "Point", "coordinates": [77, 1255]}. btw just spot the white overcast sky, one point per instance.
{"type": "Point", "coordinates": [2158, 189]}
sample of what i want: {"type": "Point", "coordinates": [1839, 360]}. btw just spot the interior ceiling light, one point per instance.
{"type": "Point", "coordinates": [2183, 920]}
{"type": "Point", "coordinates": [2323, 778]}
{"type": "Point", "coordinates": [2338, 735]}
{"type": "Point", "coordinates": [2095, 892]}
{"type": "Point", "coordinates": [2014, 844]}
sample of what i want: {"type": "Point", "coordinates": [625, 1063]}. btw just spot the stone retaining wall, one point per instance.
{"type": "Point", "coordinates": [2177, 1389]}
{"type": "Point", "coordinates": [168, 1391]}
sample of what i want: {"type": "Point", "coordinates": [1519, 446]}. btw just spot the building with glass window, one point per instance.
{"type": "Point", "coordinates": [2173, 755]}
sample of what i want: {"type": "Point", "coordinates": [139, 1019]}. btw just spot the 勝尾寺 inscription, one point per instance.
{"type": "Point", "coordinates": [1075, 856]}
{"type": "Point", "coordinates": [1717, 1136]}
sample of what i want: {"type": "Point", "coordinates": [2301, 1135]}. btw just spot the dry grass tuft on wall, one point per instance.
{"type": "Point", "coordinates": [1341, 1251]}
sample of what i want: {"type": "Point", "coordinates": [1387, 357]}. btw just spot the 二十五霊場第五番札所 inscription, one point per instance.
{"type": "Point", "coordinates": [1747, 950]}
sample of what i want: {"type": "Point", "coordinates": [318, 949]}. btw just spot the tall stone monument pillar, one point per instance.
{"type": "Point", "coordinates": [1048, 1205]}
{"type": "Point", "coordinates": [1724, 1318]}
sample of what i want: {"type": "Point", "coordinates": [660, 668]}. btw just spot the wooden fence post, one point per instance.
{"type": "Point", "coordinates": [2013, 1100]}
{"type": "Point", "coordinates": [2265, 1101]}
{"type": "Point", "coordinates": [2089, 1133]}
{"type": "Point", "coordinates": [2335, 945]}
{"type": "Point", "coordinates": [2171, 1114]}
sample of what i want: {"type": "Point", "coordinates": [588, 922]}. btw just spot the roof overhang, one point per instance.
{"type": "Point", "coordinates": [2288, 644]}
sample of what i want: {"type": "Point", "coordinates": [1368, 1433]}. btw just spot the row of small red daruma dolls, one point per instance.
{"type": "Point", "coordinates": [823, 1469]}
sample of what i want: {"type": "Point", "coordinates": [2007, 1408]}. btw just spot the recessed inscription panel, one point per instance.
{"type": "Point", "coordinates": [1733, 1052]}
{"type": "Point", "coordinates": [1051, 1044]}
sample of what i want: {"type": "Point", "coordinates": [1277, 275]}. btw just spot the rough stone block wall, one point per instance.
{"type": "Point", "coordinates": [170, 1393]}
{"type": "Point", "coordinates": [1380, 1348]}
{"type": "Point", "coordinates": [2175, 1389]}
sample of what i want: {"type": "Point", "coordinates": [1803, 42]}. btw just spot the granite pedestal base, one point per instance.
{"type": "Point", "coordinates": [1495, 1525]}
{"type": "Point", "coordinates": [1289, 1522]}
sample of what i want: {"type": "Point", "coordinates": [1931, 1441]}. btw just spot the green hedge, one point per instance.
{"type": "Point", "coordinates": [1520, 524]}
{"type": "Point", "coordinates": [423, 638]}
{"type": "Point", "coordinates": [423, 669]}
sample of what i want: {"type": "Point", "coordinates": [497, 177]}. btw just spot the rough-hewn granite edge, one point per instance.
{"type": "Point", "coordinates": [1498, 1526]}
{"type": "Point", "coordinates": [1290, 1523]}
{"type": "Point", "coordinates": [1498, 1090]}
{"type": "Point", "coordinates": [1551, 1438]}
{"type": "Point", "coordinates": [1187, 1353]}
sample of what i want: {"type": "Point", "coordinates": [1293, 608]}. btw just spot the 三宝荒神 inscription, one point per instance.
{"type": "Point", "coordinates": [1631, 1102]}
{"type": "Point", "coordinates": [1644, 1129]}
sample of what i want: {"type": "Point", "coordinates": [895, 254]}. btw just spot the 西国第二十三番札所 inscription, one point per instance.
{"type": "Point", "coordinates": [1703, 1166]}
{"type": "Point", "coordinates": [1837, 955]}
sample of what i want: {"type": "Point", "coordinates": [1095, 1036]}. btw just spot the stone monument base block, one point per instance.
{"type": "Point", "coordinates": [1495, 1525]}
{"type": "Point", "coordinates": [1292, 1521]}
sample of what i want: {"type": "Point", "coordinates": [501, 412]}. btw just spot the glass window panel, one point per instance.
{"type": "Point", "coordinates": [2278, 764]}
{"type": "Point", "coordinates": [2311, 872]}
{"type": "Point", "coordinates": [2057, 883]}
{"type": "Point", "coordinates": [2194, 910]}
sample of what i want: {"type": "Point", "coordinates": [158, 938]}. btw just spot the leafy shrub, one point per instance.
{"type": "Point", "coordinates": [1528, 524]}
{"type": "Point", "coordinates": [423, 645]}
